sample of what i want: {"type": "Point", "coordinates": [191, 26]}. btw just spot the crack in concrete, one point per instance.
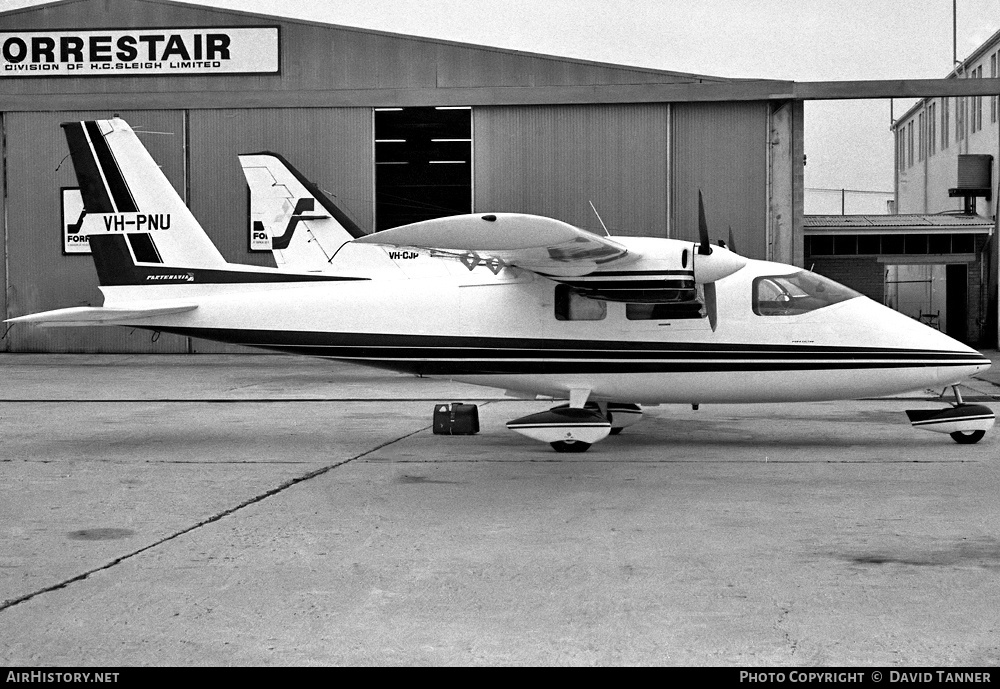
{"type": "Point", "coordinates": [6, 604]}
{"type": "Point", "coordinates": [783, 612]}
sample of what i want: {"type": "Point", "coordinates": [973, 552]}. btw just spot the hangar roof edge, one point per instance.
{"type": "Point", "coordinates": [389, 34]}
{"type": "Point", "coordinates": [900, 223]}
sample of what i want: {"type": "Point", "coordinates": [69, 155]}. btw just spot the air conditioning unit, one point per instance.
{"type": "Point", "coordinates": [975, 171]}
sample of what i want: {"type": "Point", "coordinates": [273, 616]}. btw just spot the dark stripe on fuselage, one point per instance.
{"type": "Point", "coordinates": [120, 192]}
{"type": "Point", "coordinates": [445, 355]}
{"type": "Point", "coordinates": [115, 268]}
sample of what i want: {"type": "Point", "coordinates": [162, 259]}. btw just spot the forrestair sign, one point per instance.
{"type": "Point", "coordinates": [131, 52]}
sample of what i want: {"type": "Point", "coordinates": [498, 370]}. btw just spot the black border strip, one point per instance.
{"type": "Point", "coordinates": [95, 195]}
{"type": "Point", "coordinates": [120, 193]}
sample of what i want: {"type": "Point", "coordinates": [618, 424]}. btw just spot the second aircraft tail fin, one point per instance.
{"type": "Point", "coordinates": [300, 224]}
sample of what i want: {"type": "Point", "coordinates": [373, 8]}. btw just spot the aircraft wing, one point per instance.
{"type": "Point", "coordinates": [99, 315]}
{"type": "Point", "coordinates": [541, 245]}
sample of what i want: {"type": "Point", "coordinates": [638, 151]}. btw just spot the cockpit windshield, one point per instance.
{"type": "Point", "coordinates": [802, 292]}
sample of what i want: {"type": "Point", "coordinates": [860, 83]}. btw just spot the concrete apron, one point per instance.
{"type": "Point", "coordinates": [213, 510]}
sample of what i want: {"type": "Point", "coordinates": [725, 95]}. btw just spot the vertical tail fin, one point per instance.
{"type": "Point", "coordinates": [133, 214]}
{"type": "Point", "coordinates": [300, 224]}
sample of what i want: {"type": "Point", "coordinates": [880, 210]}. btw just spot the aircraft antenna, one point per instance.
{"type": "Point", "coordinates": [606, 233]}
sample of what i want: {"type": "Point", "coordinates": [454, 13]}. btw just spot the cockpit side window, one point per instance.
{"type": "Point", "coordinates": [571, 306]}
{"type": "Point", "coordinates": [802, 292]}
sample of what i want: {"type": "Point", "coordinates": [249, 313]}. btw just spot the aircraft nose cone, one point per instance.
{"type": "Point", "coordinates": [958, 360]}
{"type": "Point", "coordinates": [927, 357]}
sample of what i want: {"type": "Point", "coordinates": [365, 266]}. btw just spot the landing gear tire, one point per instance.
{"type": "Point", "coordinates": [570, 446]}
{"type": "Point", "coordinates": [616, 431]}
{"type": "Point", "coordinates": [967, 437]}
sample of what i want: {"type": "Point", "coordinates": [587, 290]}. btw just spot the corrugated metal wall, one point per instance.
{"type": "Point", "coordinates": [552, 160]}
{"type": "Point", "coordinates": [4, 342]}
{"type": "Point", "coordinates": [641, 165]}
{"type": "Point", "coordinates": [721, 149]}
{"type": "Point", "coordinates": [40, 276]}
{"type": "Point", "coordinates": [331, 147]}
{"type": "Point", "coordinates": [316, 56]}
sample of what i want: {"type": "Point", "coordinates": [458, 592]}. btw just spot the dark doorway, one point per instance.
{"type": "Point", "coordinates": [957, 301]}
{"type": "Point", "coordinates": [423, 164]}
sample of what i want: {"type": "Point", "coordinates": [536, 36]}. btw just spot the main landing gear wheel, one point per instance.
{"type": "Point", "coordinates": [565, 429]}
{"type": "Point", "coordinates": [570, 446]}
{"type": "Point", "coordinates": [615, 430]}
{"type": "Point", "coordinates": [967, 437]}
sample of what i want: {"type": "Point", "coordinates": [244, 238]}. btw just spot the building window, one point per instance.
{"type": "Point", "coordinates": [993, 99]}
{"type": "Point", "coordinates": [920, 136]}
{"type": "Point", "coordinates": [945, 123]}
{"type": "Point", "coordinates": [423, 164]}
{"type": "Point", "coordinates": [909, 143]}
{"type": "Point", "coordinates": [959, 118]}
{"type": "Point", "coordinates": [932, 129]}
{"type": "Point", "coordinates": [901, 148]}
{"type": "Point", "coordinates": [977, 103]}
{"type": "Point", "coordinates": [881, 244]}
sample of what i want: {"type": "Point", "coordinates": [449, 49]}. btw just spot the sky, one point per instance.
{"type": "Point", "coordinates": [847, 143]}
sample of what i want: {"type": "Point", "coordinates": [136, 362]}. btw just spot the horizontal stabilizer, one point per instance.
{"type": "Point", "coordinates": [99, 315]}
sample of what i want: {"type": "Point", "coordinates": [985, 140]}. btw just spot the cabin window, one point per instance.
{"type": "Point", "coordinates": [664, 312]}
{"type": "Point", "coordinates": [571, 306]}
{"type": "Point", "coordinates": [802, 292]}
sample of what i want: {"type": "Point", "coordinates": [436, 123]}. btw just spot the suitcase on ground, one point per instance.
{"type": "Point", "coordinates": [456, 418]}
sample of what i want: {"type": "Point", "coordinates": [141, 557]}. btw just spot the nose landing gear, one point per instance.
{"type": "Point", "coordinates": [965, 423]}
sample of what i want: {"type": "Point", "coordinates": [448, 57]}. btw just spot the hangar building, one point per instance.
{"type": "Point", "coordinates": [933, 257]}
{"type": "Point", "coordinates": [396, 128]}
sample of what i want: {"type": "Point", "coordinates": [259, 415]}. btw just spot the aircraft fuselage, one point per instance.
{"type": "Point", "coordinates": [415, 313]}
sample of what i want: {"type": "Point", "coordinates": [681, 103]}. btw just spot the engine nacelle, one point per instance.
{"type": "Point", "coordinates": [661, 271]}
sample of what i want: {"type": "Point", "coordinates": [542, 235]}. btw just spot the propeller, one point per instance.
{"type": "Point", "coordinates": [711, 305]}
{"type": "Point", "coordinates": [705, 248]}
{"type": "Point", "coordinates": [712, 265]}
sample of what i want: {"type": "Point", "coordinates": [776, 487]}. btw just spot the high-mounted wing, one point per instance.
{"type": "Point", "coordinates": [541, 245]}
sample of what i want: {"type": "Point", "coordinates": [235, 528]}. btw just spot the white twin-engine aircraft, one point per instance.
{"type": "Point", "coordinates": [520, 302]}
